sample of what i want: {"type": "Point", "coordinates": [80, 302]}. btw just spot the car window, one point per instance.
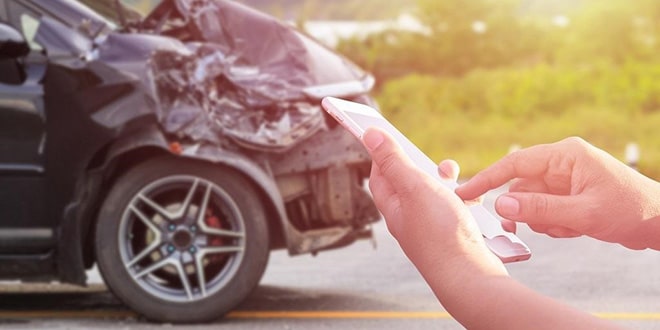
{"type": "Point", "coordinates": [26, 21]}
{"type": "Point", "coordinates": [29, 25]}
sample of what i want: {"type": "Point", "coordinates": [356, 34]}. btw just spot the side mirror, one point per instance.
{"type": "Point", "coordinates": [12, 43]}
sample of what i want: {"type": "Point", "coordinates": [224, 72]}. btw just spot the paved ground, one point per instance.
{"type": "Point", "coordinates": [362, 288]}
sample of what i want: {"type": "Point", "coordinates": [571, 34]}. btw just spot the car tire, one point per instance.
{"type": "Point", "coordinates": [168, 225]}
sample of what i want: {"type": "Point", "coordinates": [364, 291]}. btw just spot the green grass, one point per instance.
{"type": "Point", "coordinates": [476, 118]}
{"type": "Point", "coordinates": [477, 141]}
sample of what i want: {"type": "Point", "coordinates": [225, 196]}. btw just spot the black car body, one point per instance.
{"type": "Point", "coordinates": [175, 150]}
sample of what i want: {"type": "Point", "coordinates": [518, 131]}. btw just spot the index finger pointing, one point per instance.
{"type": "Point", "coordinates": [526, 163]}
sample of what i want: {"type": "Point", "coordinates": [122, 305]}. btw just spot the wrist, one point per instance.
{"type": "Point", "coordinates": [648, 230]}
{"type": "Point", "coordinates": [653, 222]}
{"type": "Point", "coordinates": [466, 283]}
{"type": "Point", "coordinates": [453, 276]}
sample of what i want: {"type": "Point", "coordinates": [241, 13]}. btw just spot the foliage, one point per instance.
{"type": "Point", "coordinates": [631, 88]}
{"type": "Point", "coordinates": [336, 9]}
{"type": "Point", "coordinates": [614, 30]}
{"type": "Point", "coordinates": [591, 68]}
{"type": "Point", "coordinates": [485, 34]}
{"type": "Point", "coordinates": [480, 115]}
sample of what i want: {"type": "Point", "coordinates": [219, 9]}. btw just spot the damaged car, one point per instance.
{"type": "Point", "coordinates": [174, 149]}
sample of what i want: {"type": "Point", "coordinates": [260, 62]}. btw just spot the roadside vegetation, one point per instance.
{"type": "Point", "coordinates": [493, 74]}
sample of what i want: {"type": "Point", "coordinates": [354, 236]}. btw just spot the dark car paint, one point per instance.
{"type": "Point", "coordinates": [87, 92]}
{"type": "Point", "coordinates": [13, 45]}
{"type": "Point", "coordinates": [50, 163]}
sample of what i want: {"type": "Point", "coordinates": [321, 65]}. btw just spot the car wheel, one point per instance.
{"type": "Point", "coordinates": [181, 241]}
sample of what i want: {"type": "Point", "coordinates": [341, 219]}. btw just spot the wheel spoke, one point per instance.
{"type": "Point", "coordinates": [157, 239]}
{"type": "Point", "coordinates": [199, 268]}
{"type": "Point", "coordinates": [169, 215]}
{"type": "Point", "coordinates": [148, 250]}
{"type": "Point", "coordinates": [147, 222]}
{"type": "Point", "coordinates": [184, 279]}
{"type": "Point", "coordinates": [159, 209]}
{"type": "Point", "coordinates": [169, 262]}
{"type": "Point", "coordinates": [199, 262]}
{"type": "Point", "coordinates": [186, 203]}
{"type": "Point", "coordinates": [205, 203]}
{"type": "Point", "coordinates": [154, 268]}
{"type": "Point", "coordinates": [222, 232]}
{"type": "Point", "coordinates": [220, 249]}
{"type": "Point", "coordinates": [209, 230]}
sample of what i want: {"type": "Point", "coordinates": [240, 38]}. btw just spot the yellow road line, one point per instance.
{"type": "Point", "coordinates": [629, 316]}
{"type": "Point", "coordinates": [291, 315]}
{"type": "Point", "coordinates": [336, 315]}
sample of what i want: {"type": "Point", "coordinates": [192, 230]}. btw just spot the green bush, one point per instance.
{"type": "Point", "coordinates": [477, 117]}
{"type": "Point", "coordinates": [631, 88]}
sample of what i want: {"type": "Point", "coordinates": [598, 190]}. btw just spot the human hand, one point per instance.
{"type": "Point", "coordinates": [438, 234]}
{"type": "Point", "coordinates": [449, 170]}
{"type": "Point", "coordinates": [431, 223]}
{"type": "Point", "coordinates": [572, 188]}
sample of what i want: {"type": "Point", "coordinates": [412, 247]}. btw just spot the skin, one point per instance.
{"type": "Point", "coordinates": [571, 188]}
{"type": "Point", "coordinates": [438, 234]}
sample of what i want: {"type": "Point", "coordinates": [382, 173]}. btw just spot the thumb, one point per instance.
{"type": "Point", "coordinates": [391, 161]}
{"type": "Point", "coordinates": [539, 208]}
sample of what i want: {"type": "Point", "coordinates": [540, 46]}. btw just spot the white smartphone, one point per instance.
{"type": "Point", "coordinates": [357, 117]}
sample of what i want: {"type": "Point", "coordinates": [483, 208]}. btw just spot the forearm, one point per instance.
{"type": "Point", "coordinates": [480, 296]}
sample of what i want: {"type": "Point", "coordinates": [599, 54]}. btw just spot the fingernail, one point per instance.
{"type": "Point", "coordinates": [372, 139]}
{"type": "Point", "coordinates": [507, 206]}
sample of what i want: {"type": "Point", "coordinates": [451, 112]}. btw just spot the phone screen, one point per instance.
{"type": "Point", "coordinates": [418, 157]}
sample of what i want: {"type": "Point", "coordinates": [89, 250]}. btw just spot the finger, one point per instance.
{"type": "Point", "coordinates": [477, 201]}
{"type": "Point", "coordinates": [539, 228]}
{"type": "Point", "coordinates": [381, 190]}
{"type": "Point", "coordinates": [508, 225]}
{"type": "Point", "coordinates": [527, 163]}
{"type": "Point", "coordinates": [539, 208]}
{"type": "Point", "coordinates": [562, 232]}
{"type": "Point", "coordinates": [449, 169]}
{"type": "Point", "coordinates": [528, 185]}
{"type": "Point", "coordinates": [554, 231]}
{"type": "Point", "coordinates": [392, 163]}
{"type": "Point", "coordinates": [386, 200]}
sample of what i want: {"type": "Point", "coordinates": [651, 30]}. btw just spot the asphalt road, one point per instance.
{"type": "Point", "coordinates": [364, 288]}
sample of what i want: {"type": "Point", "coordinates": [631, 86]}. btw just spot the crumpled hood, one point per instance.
{"type": "Point", "coordinates": [262, 45]}
{"type": "Point", "coordinates": [246, 76]}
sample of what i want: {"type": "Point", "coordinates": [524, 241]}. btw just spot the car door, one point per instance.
{"type": "Point", "coordinates": [22, 147]}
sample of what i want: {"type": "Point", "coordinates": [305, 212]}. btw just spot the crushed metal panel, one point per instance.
{"type": "Point", "coordinates": [246, 77]}
{"type": "Point", "coordinates": [323, 150]}
{"type": "Point", "coordinates": [197, 101]}
{"type": "Point", "coordinates": [335, 195]}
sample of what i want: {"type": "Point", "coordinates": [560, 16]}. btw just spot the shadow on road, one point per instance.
{"type": "Point", "coordinates": [264, 298]}
{"type": "Point", "coordinates": [269, 297]}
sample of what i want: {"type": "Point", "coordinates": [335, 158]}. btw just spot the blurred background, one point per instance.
{"type": "Point", "coordinates": [471, 80]}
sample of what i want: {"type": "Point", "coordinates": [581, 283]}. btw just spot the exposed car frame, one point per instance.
{"type": "Point", "coordinates": [86, 78]}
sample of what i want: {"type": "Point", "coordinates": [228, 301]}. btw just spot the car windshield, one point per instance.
{"type": "Point", "coordinates": [132, 9]}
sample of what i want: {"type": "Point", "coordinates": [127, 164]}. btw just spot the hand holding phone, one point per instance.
{"type": "Point", "coordinates": [356, 118]}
